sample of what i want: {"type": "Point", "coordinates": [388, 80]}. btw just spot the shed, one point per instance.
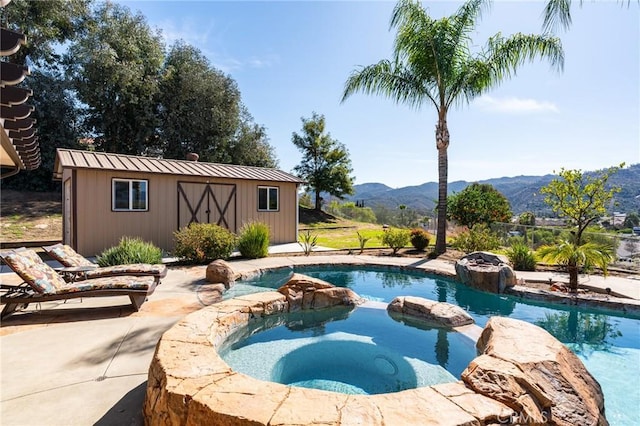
{"type": "Point", "coordinates": [107, 196]}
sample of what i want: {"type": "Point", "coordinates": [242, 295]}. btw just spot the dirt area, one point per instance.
{"type": "Point", "coordinates": [30, 216]}
{"type": "Point", "coordinates": [310, 217]}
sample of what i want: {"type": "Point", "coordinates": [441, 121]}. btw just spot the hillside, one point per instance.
{"type": "Point", "coordinates": [523, 192]}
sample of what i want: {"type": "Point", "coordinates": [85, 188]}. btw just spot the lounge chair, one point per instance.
{"type": "Point", "coordinates": [42, 284]}
{"type": "Point", "coordinates": [69, 258]}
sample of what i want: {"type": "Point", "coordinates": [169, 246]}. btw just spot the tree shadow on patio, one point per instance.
{"type": "Point", "coordinates": [127, 411]}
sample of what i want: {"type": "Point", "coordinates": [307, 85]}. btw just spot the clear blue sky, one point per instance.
{"type": "Point", "coordinates": [292, 58]}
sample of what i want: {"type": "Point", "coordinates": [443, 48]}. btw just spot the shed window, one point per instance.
{"type": "Point", "coordinates": [129, 195]}
{"type": "Point", "coordinates": [268, 198]}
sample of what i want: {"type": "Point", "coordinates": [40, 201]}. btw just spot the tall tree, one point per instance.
{"type": "Point", "coordinates": [325, 165]}
{"type": "Point", "coordinates": [201, 111]}
{"type": "Point", "coordinates": [115, 68]}
{"type": "Point", "coordinates": [479, 203]}
{"type": "Point", "coordinates": [47, 25]}
{"type": "Point", "coordinates": [200, 106]}
{"type": "Point", "coordinates": [250, 145]}
{"type": "Point", "coordinates": [433, 64]}
{"type": "Point", "coordinates": [581, 198]}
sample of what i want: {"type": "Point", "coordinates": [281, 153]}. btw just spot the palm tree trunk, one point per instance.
{"type": "Point", "coordinates": [573, 278]}
{"type": "Point", "coordinates": [442, 143]}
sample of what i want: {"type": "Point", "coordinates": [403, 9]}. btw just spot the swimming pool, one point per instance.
{"type": "Point", "coordinates": [608, 343]}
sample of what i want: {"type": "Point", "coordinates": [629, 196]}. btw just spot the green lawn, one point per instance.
{"type": "Point", "coordinates": [347, 238]}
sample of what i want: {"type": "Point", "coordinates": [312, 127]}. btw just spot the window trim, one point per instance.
{"type": "Point", "coordinates": [268, 188]}
{"type": "Point", "coordinates": [130, 181]}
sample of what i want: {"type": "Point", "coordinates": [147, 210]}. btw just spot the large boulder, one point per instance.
{"type": "Point", "coordinates": [304, 292]}
{"type": "Point", "coordinates": [439, 313]}
{"type": "Point", "coordinates": [485, 271]}
{"type": "Point", "coordinates": [527, 369]}
{"type": "Point", "coordinates": [220, 271]}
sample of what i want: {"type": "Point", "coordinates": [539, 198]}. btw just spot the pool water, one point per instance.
{"type": "Point", "coordinates": [607, 342]}
{"type": "Point", "coordinates": [363, 351]}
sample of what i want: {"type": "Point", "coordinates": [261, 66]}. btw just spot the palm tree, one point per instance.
{"type": "Point", "coordinates": [575, 257]}
{"type": "Point", "coordinates": [433, 63]}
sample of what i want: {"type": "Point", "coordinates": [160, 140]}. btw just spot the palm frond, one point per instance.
{"type": "Point", "coordinates": [405, 13]}
{"type": "Point", "coordinates": [557, 13]}
{"type": "Point", "coordinates": [505, 55]}
{"type": "Point", "coordinates": [467, 17]}
{"type": "Point", "coordinates": [432, 59]}
{"type": "Point", "coordinates": [474, 79]}
{"type": "Point", "coordinates": [435, 50]}
{"type": "Point", "coordinates": [586, 255]}
{"type": "Point", "coordinates": [414, 44]}
{"type": "Point", "coordinates": [391, 80]}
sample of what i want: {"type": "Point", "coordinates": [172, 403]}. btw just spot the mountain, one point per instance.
{"type": "Point", "coordinates": [523, 192]}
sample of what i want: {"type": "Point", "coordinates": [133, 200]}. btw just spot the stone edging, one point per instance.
{"type": "Point", "coordinates": [190, 384]}
{"type": "Point", "coordinates": [616, 304]}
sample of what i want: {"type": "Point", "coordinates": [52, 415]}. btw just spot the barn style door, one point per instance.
{"type": "Point", "coordinates": [207, 203]}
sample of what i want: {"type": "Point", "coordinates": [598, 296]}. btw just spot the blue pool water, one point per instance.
{"type": "Point", "coordinates": [608, 343]}
{"type": "Point", "coordinates": [357, 352]}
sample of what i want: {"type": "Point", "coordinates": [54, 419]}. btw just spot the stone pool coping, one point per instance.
{"type": "Point", "coordinates": [189, 383]}
{"type": "Point", "coordinates": [521, 372]}
{"type": "Point", "coordinates": [615, 304]}
{"type": "Point", "coordinates": [598, 299]}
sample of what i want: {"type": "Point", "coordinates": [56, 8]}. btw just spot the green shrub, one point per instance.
{"type": "Point", "coordinates": [541, 237]}
{"type": "Point", "coordinates": [478, 238]}
{"type": "Point", "coordinates": [521, 257]}
{"type": "Point", "coordinates": [396, 238]}
{"type": "Point", "coordinates": [203, 242]}
{"type": "Point", "coordinates": [130, 250]}
{"type": "Point", "coordinates": [419, 239]}
{"type": "Point", "coordinates": [253, 241]}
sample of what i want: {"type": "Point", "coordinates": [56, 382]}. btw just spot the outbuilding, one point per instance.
{"type": "Point", "coordinates": [108, 196]}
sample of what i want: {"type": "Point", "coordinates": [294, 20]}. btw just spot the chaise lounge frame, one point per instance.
{"type": "Point", "coordinates": [69, 258]}
{"type": "Point", "coordinates": [19, 297]}
{"type": "Point", "coordinates": [16, 297]}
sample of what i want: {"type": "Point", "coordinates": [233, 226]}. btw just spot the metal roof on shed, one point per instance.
{"type": "Point", "coordinates": [75, 159]}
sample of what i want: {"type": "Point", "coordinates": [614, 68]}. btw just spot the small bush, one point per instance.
{"type": "Point", "coordinates": [130, 250]}
{"type": "Point", "coordinates": [521, 257]}
{"type": "Point", "coordinates": [419, 239]}
{"type": "Point", "coordinates": [253, 241]}
{"type": "Point", "coordinates": [478, 238]}
{"type": "Point", "coordinates": [362, 241]}
{"type": "Point", "coordinates": [203, 242]}
{"type": "Point", "coordinates": [396, 238]}
{"type": "Point", "coordinates": [308, 242]}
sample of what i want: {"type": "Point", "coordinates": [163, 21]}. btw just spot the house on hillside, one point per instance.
{"type": "Point", "coordinates": [107, 196]}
